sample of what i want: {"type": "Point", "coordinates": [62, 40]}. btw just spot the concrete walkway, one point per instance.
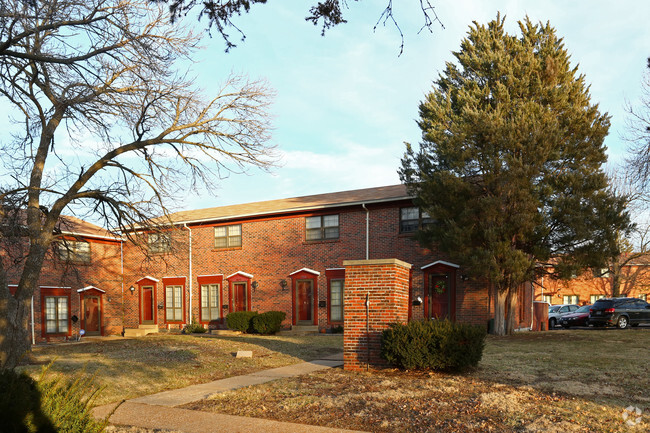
{"type": "Point", "coordinates": [157, 411]}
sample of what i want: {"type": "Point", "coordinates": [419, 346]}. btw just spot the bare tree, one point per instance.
{"type": "Point", "coordinates": [638, 135]}
{"type": "Point", "coordinates": [219, 14]}
{"type": "Point", "coordinates": [105, 123]}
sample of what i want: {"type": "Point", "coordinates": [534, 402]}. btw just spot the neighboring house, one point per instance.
{"type": "Point", "coordinates": [284, 255]}
{"type": "Point", "coordinates": [591, 285]}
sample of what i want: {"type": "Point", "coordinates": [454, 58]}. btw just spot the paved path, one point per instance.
{"type": "Point", "coordinates": [158, 411]}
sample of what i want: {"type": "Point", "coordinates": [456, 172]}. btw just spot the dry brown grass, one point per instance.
{"type": "Point", "coordinates": [129, 368]}
{"type": "Point", "coordinates": [561, 381]}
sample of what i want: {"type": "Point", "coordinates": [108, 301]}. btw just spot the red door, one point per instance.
{"type": "Point", "coordinates": [239, 292]}
{"type": "Point", "coordinates": [92, 317]}
{"type": "Point", "coordinates": [439, 296]}
{"type": "Point", "coordinates": [147, 304]}
{"type": "Point", "coordinates": [305, 300]}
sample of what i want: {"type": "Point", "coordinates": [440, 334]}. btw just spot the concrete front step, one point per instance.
{"type": "Point", "coordinates": [141, 331]}
{"type": "Point", "coordinates": [301, 330]}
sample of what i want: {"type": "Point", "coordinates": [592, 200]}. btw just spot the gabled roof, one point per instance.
{"type": "Point", "coordinates": [295, 204]}
{"type": "Point", "coordinates": [74, 226]}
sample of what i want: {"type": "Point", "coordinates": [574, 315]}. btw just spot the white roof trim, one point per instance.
{"type": "Point", "coordinates": [441, 262]}
{"type": "Point", "coordinates": [88, 235]}
{"type": "Point", "coordinates": [53, 287]}
{"type": "Point", "coordinates": [147, 277]}
{"type": "Point", "coordinates": [91, 288]}
{"type": "Point", "coordinates": [335, 269]}
{"type": "Point", "coordinates": [311, 271]}
{"type": "Point", "coordinates": [244, 274]}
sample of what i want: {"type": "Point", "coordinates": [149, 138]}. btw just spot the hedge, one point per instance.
{"type": "Point", "coordinates": [241, 320]}
{"type": "Point", "coordinates": [433, 344]}
{"type": "Point", "coordinates": [269, 322]}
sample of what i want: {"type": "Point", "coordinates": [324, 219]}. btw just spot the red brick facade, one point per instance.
{"type": "Point", "coordinates": [376, 294]}
{"type": "Point", "coordinates": [259, 260]}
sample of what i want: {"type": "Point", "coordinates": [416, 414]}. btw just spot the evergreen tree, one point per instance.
{"type": "Point", "coordinates": [510, 163]}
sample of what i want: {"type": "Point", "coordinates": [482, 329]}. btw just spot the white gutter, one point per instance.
{"type": "Point", "coordinates": [363, 205]}
{"type": "Point", "coordinates": [87, 235]}
{"type": "Point", "coordinates": [189, 319]}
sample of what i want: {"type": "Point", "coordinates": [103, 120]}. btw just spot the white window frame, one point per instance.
{"type": "Point", "coordinates": [56, 325]}
{"type": "Point", "coordinates": [230, 240]}
{"type": "Point", "coordinates": [210, 304]}
{"type": "Point", "coordinates": [174, 303]}
{"type": "Point", "coordinates": [320, 227]}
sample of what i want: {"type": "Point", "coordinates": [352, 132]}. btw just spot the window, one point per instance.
{"type": "Point", "coordinates": [322, 227]}
{"type": "Point", "coordinates": [56, 314]}
{"type": "Point", "coordinates": [74, 251]}
{"type": "Point", "coordinates": [412, 218]}
{"type": "Point", "coordinates": [570, 299]}
{"type": "Point", "coordinates": [601, 273]}
{"type": "Point", "coordinates": [227, 236]}
{"type": "Point", "coordinates": [336, 300]}
{"type": "Point", "coordinates": [174, 303]}
{"type": "Point", "coordinates": [547, 298]}
{"type": "Point", "coordinates": [159, 243]}
{"type": "Point", "coordinates": [594, 298]}
{"type": "Point", "coordinates": [209, 302]}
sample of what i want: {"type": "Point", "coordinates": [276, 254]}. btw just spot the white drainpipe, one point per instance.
{"type": "Point", "coordinates": [189, 318]}
{"type": "Point", "coordinates": [33, 334]}
{"type": "Point", "coordinates": [363, 205]}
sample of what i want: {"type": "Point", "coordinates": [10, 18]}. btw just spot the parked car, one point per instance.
{"type": "Point", "coordinates": [555, 312]}
{"type": "Point", "coordinates": [579, 317]}
{"type": "Point", "coordinates": [619, 312]}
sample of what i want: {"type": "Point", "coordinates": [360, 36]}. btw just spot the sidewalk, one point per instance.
{"type": "Point", "coordinates": [157, 411]}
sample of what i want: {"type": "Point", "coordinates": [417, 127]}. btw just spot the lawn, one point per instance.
{"type": "Point", "coordinates": [129, 368]}
{"type": "Point", "coordinates": [563, 381]}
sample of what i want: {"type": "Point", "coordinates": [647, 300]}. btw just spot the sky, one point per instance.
{"type": "Point", "coordinates": [347, 102]}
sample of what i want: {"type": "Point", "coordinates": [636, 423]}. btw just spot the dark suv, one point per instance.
{"type": "Point", "coordinates": [619, 312]}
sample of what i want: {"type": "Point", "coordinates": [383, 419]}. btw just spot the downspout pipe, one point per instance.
{"type": "Point", "coordinates": [363, 205]}
{"type": "Point", "coordinates": [122, 271]}
{"type": "Point", "coordinates": [189, 318]}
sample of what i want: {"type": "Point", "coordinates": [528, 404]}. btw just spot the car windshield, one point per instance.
{"type": "Point", "coordinates": [553, 309]}
{"type": "Point", "coordinates": [583, 309]}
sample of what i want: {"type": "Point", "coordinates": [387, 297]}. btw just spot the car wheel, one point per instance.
{"type": "Point", "coordinates": [622, 322]}
{"type": "Point", "coordinates": [551, 323]}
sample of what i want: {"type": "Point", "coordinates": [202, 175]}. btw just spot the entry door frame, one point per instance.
{"type": "Point", "coordinates": [300, 276]}
{"type": "Point", "coordinates": [440, 268]}
{"type": "Point", "coordinates": [299, 307]}
{"type": "Point", "coordinates": [145, 284]}
{"type": "Point", "coordinates": [237, 278]}
{"type": "Point", "coordinates": [92, 292]}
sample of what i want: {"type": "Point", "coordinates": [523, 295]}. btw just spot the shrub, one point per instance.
{"type": "Point", "coordinates": [433, 344]}
{"type": "Point", "coordinates": [337, 330]}
{"type": "Point", "coordinates": [194, 327]}
{"type": "Point", "coordinates": [269, 322]}
{"type": "Point", "coordinates": [241, 320]}
{"type": "Point", "coordinates": [49, 405]}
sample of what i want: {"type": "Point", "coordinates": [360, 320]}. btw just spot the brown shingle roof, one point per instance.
{"type": "Point", "coordinates": [78, 227]}
{"type": "Point", "coordinates": [310, 202]}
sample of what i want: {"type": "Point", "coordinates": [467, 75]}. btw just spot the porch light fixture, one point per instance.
{"type": "Point", "coordinates": [255, 285]}
{"type": "Point", "coordinates": [417, 301]}
{"type": "Point", "coordinates": [132, 289]}
{"type": "Point", "coordinates": [283, 284]}
{"type": "Point", "coordinates": [464, 277]}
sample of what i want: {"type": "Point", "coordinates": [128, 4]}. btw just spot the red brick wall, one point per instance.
{"type": "Point", "coordinates": [385, 284]}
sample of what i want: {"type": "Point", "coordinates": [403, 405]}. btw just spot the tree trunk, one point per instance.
{"type": "Point", "coordinates": [14, 329]}
{"type": "Point", "coordinates": [511, 309]}
{"type": "Point", "coordinates": [499, 311]}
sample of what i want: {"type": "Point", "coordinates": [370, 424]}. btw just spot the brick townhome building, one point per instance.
{"type": "Point", "coordinates": [591, 285]}
{"type": "Point", "coordinates": [284, 255]}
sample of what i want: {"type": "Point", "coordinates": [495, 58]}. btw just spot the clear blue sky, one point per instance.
{"type": "Point", "coordinates": [345, 103]}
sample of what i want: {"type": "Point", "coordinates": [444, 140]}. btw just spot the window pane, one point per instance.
{"type": "Point", "coordinates": [410, 213]}
{"type": "Point", "coordinates": [205, 313]}
{"type": "Point", "coordinates": [331, 233]}
{"type": "Point", "coordinates": [62, 308]}
{"type": "Point", "coordinates": [214, 295]}
{"type": "Point", "coordinates": [313, 234]}
{"type": "Point", "coordinates": [330, 221]}
{"type": "Point", "coordinates": [312, 222]}
{"type": "Point", "coordinates": [336, 300]}
{"type": "Point", "coordinates": [50, 326]}
{"type": "Point", "coordinates": [220, 231]}
{"type": "Point", "coordinates": [221, 242]}
{"type": "Point", "coordinates": [234, 241]}
{"type": "Point", "coordinates": [63, 326]}
{"type": "Point", "coordinates": [234, 230]}
{"type": "Point", "coordinates": [204, 297]}
{"type": "Point", "coordinates": [214, 313]}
